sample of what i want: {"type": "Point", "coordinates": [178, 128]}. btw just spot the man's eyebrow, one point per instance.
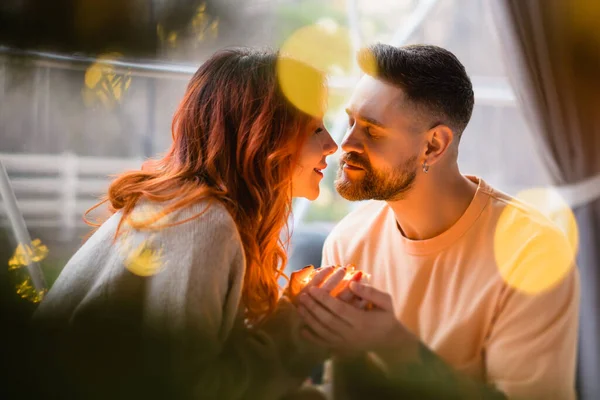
{"type": "Point", "coordinates": [368, 120]}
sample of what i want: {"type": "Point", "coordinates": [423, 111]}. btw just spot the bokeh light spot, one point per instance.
{"type": "Point", "coordinates": [531, 254]}
{"type": "Point", "coordinates": [368, 62]}
{"type": "Point", "coordinates": [22, 257]}
{"type": "Point", "coordinates": [144, 260]}
{"type": "Point", "coordinates": [35, 252]}
{"type": "Point", "coordinates": [325, 46]}
{"type": "Point", "coordinates": [103, 84]}
{"type": "Point", "coordinates": [141, 254]}
{"type": "Point", "coordinates": [26, 291]}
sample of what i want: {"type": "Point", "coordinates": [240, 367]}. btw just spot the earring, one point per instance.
{"type": "Point", "coordinates": [425, 167]}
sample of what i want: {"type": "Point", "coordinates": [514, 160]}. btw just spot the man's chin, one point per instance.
{"type": "Point", "coordinates": [350, 192]}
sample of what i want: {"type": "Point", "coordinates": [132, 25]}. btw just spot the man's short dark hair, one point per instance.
{"type": "Point", "coordinates": [430, 76]}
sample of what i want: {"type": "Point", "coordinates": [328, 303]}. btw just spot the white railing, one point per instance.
{"type": "Point", "coordinates": [53, 191]}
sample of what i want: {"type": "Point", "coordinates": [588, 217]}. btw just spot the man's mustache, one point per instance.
{"type": "Point", "coordinates": [355, 160]}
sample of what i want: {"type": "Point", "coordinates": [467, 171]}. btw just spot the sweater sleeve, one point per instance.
{"type": "Point", "coordinates": [214, 354]}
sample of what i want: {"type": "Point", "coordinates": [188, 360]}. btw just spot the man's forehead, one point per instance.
{"type": "Point", "coordinates": [375, 96]}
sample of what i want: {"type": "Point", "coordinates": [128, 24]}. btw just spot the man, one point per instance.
{"type": "Point", "coordinates": [474, 293]}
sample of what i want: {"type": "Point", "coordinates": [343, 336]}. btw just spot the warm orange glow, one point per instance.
{"type": "Point", "coordinates": [350, 271]}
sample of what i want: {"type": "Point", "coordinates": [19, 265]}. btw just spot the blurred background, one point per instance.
{"type": "Point", "coordinates": [69, 119]}
{"type": "Point", "coordinates": [88, 89]}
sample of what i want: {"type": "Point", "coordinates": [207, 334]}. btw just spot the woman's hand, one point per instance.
{"type": "Point", "coordinates": [326, 278]}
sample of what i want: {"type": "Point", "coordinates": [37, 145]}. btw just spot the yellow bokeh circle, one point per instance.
{"type": "Point", "coordinates": [144, 260]}
{"type": "Point", "coordinates": [325, 46]}
{"type": "Point", "coordinates": [534, 251]}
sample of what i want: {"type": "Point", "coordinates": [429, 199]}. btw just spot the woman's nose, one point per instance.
{"type": "Point", "coordinates": [330, 146]}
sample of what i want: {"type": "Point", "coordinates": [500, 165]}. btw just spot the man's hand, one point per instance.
{"type": "Point", "coordinates": [412, 369]}
{"type": "Point", "coordinates": [345, 328]}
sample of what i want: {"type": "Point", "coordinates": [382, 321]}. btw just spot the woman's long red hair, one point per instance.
{"type": "Point", "coordinates": [235, 140]}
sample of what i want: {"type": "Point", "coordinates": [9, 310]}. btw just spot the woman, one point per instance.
{"type": "Point", "coordinates": [176, 294]}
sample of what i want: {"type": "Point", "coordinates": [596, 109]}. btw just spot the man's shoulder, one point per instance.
{"type": "Point", "coordinates": [358, 220]}
{"type": "Point", "coordinates": [533, 249]}
{"type": "Point", "coordinates": [523, 217]}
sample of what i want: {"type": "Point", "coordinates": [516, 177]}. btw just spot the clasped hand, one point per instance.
{"type": "Point", "coordinates": [335, 315]}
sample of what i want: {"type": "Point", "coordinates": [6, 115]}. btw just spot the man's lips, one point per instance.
{"type": "Point", "coordinates": [351, 166]}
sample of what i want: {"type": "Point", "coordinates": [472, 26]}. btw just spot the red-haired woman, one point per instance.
{"type": "Point", "coordinates": [176, 294]}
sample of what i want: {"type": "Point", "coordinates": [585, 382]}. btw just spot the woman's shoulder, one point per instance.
{"type": "Point", "coordinates": [181, 242]}
{"type": "Point", "coordinates": [212, 210]}
{"type": "Point", "coordinates": [208, 216]}
{"type": "Point", "coordinates": [153, 236]}
{"type": "Point", "coordinates": [202, 217]}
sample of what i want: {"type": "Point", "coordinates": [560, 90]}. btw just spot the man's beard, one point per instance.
{"type": "Point", "coordinates": [392, 184]}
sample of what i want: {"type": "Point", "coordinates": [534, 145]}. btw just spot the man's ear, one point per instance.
{"type": "Point", "coordinates": [440, 140]}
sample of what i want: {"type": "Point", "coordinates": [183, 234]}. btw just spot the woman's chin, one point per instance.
{"type": "Point", "coordinates": [307, 191]}
{"type": "Point", "coordinates": [311, 196]}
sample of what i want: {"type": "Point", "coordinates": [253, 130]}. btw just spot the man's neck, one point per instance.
{"type": "Point", "coordinates": [436, 202]}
